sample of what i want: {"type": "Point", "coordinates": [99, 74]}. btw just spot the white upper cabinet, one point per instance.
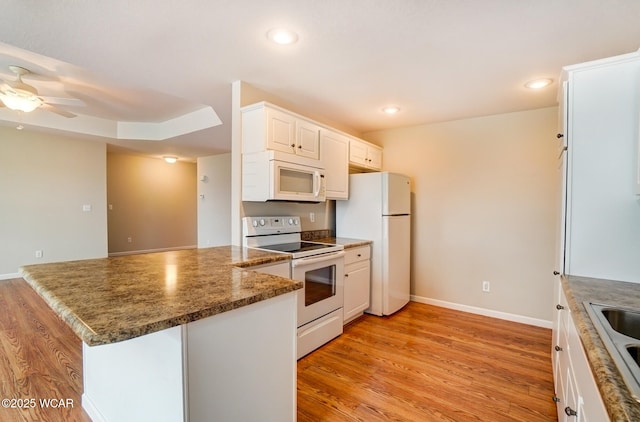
{"type": "Point", "coordinates": [281, 130]}
{"type": "Point", "coordinates": [307, 139]}
{"type": "Point", "coordinates": [265, 126]}
{"type": "Point", "coordinates": [269, 127]}
{"type": "Point", "coordinates": [334, 155]}
{"type": "Point", "coordinates": [365, 155]}
{"type": "Point", "coordinates": [602, 107]}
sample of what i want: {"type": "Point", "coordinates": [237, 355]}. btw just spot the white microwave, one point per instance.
{"type": "Point", "coordinates": [279, 176]}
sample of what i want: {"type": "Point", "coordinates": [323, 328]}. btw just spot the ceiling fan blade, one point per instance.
{"type": "Point", "coordinates": [65, 101]}
{"type": "Point", "coordinates": [63, 113]}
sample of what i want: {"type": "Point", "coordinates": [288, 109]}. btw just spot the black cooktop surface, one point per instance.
{"type": "Point", "coordinates": [294, 247]}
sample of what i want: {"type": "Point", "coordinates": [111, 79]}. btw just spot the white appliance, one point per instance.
{"type": "Point", "coordinates": [320, 266]}
{"type": "Point", "coordinates": [279, 176]}
{"type": "Point", "coordinates": [379, 209]}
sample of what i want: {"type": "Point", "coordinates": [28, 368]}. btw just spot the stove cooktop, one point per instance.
{"type": "Point", "coordinates": [295, 247]}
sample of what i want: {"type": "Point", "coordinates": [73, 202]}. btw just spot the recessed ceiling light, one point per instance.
{"type": "Point", "coordinates": [282, 36]}
{"type": "Point", "coordinates": [169, 159]}
{"type": "Point", "coordinates": [538, 83]}
{"type": "Point", "coordinates": [391, 110]}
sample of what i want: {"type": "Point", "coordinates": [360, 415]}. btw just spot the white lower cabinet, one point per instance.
{"type": "Point", "coordinates": [357, 281]}
{"type": "Point", "coordinates": [577, 396]}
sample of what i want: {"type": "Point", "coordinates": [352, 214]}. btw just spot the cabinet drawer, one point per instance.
{"type": "Point", "coordinates": [356, 254]}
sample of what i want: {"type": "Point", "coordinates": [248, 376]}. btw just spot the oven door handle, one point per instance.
{"type": "Point", "coordinates": [315, 259]}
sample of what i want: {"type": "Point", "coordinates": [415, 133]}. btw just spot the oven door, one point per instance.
{"type": "Point", "coordinates": [323, 277]}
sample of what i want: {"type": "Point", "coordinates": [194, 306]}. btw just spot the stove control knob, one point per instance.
{"type": "Point", "coordinates": [255, 223]}
{"type": "Point", "coordinates": [262, 222]}
{"type": "Point", "coordinates": [291, 221]}
{"type": "Point", "coordinates": [295, 221]}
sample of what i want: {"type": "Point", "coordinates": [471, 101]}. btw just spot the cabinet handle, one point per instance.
{"type": "Point", "coordinates": [346, 275]}
{"type": "Point", "coordinates": [556, 273]}
{"type": "Point", "coordinates": [560, 135]}
{"type": "Point", "coordinates": [299, 146]}
{"type": "Point", "coordinates": [556, 399]}
{"type": "Point", "coordinates": [558, 349]}
{"type": "Point", "coordinates": [559, 307]}
{"type": "Point", "coordinates": [293, 145]}
{"type": "Point", "coordinates": [359, 255]}
{"type": "Point", "coordinates": [570, 412]}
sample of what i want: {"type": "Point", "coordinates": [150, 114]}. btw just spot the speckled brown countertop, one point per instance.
{"type": "Point", "coordinates": [620, 405]}
{"type": "Point", "coordinates": [118, 298]}
{"type": "Point", "coordinates": [346, 242]}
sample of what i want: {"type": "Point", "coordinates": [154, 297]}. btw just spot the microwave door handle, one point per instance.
{"type": "Point", "coordinates": [313, 260]}
{"type": "Point", "coordinates": [316, 183]}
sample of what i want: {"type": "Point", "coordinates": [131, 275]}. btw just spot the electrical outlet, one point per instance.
{"type": "Point", "coordinates": [312, 217]}
{"type": "Point", "coordinates": [39, 254]}
{"type": "Point", "coordinates": [129, 239]}
{"type": "Point", "coordinates": [486, 286]}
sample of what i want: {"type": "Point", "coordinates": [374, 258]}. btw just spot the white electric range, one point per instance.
{"type": "Point", "coordinates": [320, 266]}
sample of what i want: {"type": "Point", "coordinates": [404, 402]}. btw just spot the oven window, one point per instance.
{"type": "Point", "coordinates": [319, 284]}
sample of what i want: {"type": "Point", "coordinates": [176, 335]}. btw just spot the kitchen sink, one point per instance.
{"type": "Point", "coordinates": [619, 329]}
{"type": "Point", "coordinates": [624, 321]}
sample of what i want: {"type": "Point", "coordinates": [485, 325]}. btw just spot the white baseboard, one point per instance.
{"type": "Point", "coordinates": [176, 248]}
{"type": "Point", "coordinates": [10, 276]}
{"type": "Point", "coordinates": [482, 311]}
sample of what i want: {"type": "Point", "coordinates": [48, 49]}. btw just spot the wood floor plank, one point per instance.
{"type": "Point", "coordinates": [429, 364]}
{"type": "Point", "coordinates": [40, 360]}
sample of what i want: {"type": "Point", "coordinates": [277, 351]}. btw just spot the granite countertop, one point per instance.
{"type": "Point", "coordinates": [346, 242]}
{"type": "Point", "coordinates": [113, 299]}
{"type": "Point", "coordinates": [620, 405]}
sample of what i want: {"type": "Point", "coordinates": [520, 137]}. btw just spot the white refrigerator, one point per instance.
{"type": "Point", "coordinates": [379, 209]}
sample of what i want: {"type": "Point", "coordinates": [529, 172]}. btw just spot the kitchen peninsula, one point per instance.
{"type": "Point", "coordinates": [183, 335]}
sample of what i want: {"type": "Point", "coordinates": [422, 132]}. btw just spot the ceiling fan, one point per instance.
{"type": "Point", "coordinates": [17, 95]}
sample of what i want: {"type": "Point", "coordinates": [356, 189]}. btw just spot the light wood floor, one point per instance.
{"type": "Point", "coordinates": [429, 364]}
{"type": "Point", "coordinates": [421, 364]}
{"type": "Point", "coordinates": [40, 358]}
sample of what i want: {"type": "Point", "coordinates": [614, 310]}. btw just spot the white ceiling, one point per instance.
{"type": "Point", "coordinates": [438, 60]}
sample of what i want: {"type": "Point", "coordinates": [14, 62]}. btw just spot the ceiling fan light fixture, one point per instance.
{"type": "Point", "coordinates": [170, 159]}
{"type": "Point", "coordinates": [20, 100]}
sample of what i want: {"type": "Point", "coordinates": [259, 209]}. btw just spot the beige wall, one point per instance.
{"type": "Point", "coordinates": [44, 182]}
{"type": "Point", "coordinates": [484, 208]}
{"type": "Point", "coordinates": [151, 202]}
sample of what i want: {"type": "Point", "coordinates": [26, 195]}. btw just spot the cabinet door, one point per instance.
{"type": "Point", "coordinates": [357, 153]}
{"type": "Point", "coordinates": [334, 154]}
{"type": "Point", "coordinates": [281, 131]}
{"type": "Point", "coordinates": [356, 289]}
{"type": "Point", "coordinates": [307, 139]}
{"type": "Point", "coordinates": [561, 180]}
{"type": "Point", "coordinates": [570, 410]}
{"type": "Point", "coordinates": [374, 158]}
